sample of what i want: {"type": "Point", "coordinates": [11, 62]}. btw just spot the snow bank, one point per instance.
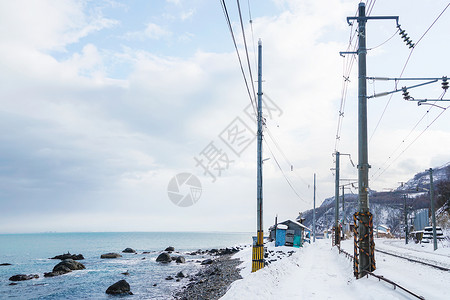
{"type": "Point", "coordinates": [318, 271]}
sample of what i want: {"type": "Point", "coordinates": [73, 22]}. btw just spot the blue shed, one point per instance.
{"type": "Point", "coordinates": [290, 233]}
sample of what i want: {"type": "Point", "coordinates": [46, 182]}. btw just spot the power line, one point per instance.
{"type": "Point", "coordinates": [246, 50]}
{"type": "Point", "coordinates": [284, 156]}
{"type": "Point", "coordinates": [395, 33]}
{"type": "Point", "coordinates": [251, 27]}
{"type": "Point", "coordinates": [284, 175]}
{"type": "Point", "coordinates": [227, 17]}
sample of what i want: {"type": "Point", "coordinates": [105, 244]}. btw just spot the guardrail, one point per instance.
{"type": "Point", "coordinates": [380, 277]}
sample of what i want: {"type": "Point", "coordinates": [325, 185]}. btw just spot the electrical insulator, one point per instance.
{"type": "Point", "coordinates": [405, 94]}
{"type": "Point", "coordinates": [405, 37]}
{"type": "Point", "coordinates": [444, 83]}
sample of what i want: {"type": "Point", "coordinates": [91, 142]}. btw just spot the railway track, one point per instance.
{"type": "Point", "coordinates": [414, 260]}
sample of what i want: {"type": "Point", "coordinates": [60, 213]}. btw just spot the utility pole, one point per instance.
{"type": "Point", "coordinates": [366, 261]}
{"type": "Point", "coordinates": [336, 198]}
{"type": "Point", "coordinates": [363, 163]}
{"type": "Point", "coordinates": [258, 249]}
{"type": "Point", "coordinates": [406, 219]}
{"type": "Point", "coordinates": [343, 211]}
{"type": "Point", "coordinates": [314, 211]}
{"type": "Point", "coordinates": [433, 216]}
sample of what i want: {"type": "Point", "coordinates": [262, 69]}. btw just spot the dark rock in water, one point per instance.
{"type": "Point", "coordinates": [22, 277]}
{"type": "Point", "coordinates": [53, 274]}
{"type": "Point", "coordinates": [13, 283]}
{"type": "Point", "coordinates": [129, 250]}
{"type": "Point", "coordinates": [120, 287]}
{"type": "Point", "coordinates": [143, 258]}
{"type": "Point", "coordinates": [173, 257]}
{"type": "Point", "coordinates": [207, 262]}
{"type": "Point", "coordinates": [180, 275]}
{"type": "Point", "coordinates": [110, 255]}
{"type": "Point", "coordinates": [68, 264]}
{"type": "Point", "coordinates": [213, 251]}
{"type": "Point", "coordinates": [181, 260]}
{"type": "Point", "coordinates": [125, 273]}
{"type": "Point", "coordinates": [155, 284]}
{"type": "Point", "coordinates": [5, 264]}
{"type": "Point", "coordinates": [68, 255]}
{"type": "Point", "coordinates": [169, 278]}
{"type": "Point", "coordinates": [164, 257]}
{"type": "Point", "coordinates": [146, 252]}
{"type": "Point", "coordinates": [170, 248]}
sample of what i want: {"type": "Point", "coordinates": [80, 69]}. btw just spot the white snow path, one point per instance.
{"type": "Point", "coordinates": [316, 271]}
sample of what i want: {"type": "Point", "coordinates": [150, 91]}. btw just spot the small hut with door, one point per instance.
{"type": "Point", "coordinates": [290, 233]}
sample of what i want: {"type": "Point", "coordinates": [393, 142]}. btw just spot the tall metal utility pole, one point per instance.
{"type": "Point", "coordinates": [314, 211]}
{"type": "Point", "coordinates": [336, 207]}
{"type": "Point", "coordinates": [258, 249]}
{"type": "Point", "coordinates": [406, 219]}
{"type": "Point", "coordinates": [343, 211]}
{"type": "Point", "coordinates": [433, 216]}
{"type": "Point", "coordinates": [363, 162]}
{"type": "Point", "coordinates": [366, 257]}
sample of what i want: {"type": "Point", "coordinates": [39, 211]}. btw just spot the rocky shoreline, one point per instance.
{"type": "Point", "coordinates": [217, 271]}
{"type": "Point", "coordinates": [213, 281]}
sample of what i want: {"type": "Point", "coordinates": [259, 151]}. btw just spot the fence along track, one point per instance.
{"type": "Point", "coordinates": [349, 256]}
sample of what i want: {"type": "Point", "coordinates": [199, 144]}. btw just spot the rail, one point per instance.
{"type": "Point", "coordinates": [416, 261]}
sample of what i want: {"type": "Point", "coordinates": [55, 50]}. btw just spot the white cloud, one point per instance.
{"type": "Point", "coordinates": [47, 25]}
{"type": "Point", "coordinates": [152, 31]}
{"type": "Point", "coordinates": [185, 15]}
{"type": "Point", "coordinates": [77, 135]}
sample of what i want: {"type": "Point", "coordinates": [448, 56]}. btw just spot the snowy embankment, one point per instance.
{"type": "Point", "coordinates": [318, 271]}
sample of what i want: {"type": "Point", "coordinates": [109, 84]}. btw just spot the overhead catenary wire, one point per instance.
{"type": "Point", "coordinates": [405, 65]}
{"type": "Point", "coordinates": [405, 139]}
{"type": "Point", "coordinates": [415, 139]}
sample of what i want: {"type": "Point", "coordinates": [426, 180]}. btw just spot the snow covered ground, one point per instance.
{"type": "Point", "coordinates": [318, 271]}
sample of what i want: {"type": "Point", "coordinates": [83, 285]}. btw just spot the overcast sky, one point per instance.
{"type": "Point", "coordinates": [102, 103]}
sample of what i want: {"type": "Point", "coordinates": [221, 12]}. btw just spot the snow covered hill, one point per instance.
{"type": "Point", "coordinates": [387, 207]}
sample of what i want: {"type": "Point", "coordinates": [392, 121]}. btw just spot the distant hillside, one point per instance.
{"type": "Point", "coordinates": [388, 207]}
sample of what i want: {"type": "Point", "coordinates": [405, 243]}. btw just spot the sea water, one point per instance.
{"type": "Point", "coordinates": [30, 253]}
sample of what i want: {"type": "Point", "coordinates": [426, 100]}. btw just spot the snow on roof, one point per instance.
{"type": "Point", "coordinates": [296, 223]}
{"type": "Point", "coordinates": [282, 226]}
